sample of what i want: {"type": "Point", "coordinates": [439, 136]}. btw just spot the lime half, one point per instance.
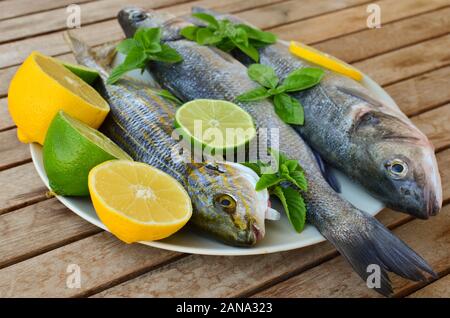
{"type": "Point", "coordinates": [86, 74]}
{"type": "Point", "coordinates": [71, 150]}
{"type": "Point", "coordinates": [216, 124]}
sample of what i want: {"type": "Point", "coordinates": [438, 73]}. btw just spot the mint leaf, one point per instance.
{"type": "Point", "coordinates": [254, 166]}
{"type": "Point", "coordinates": [166, 94]}
{"type": "Point", "coordinates": [266, 181]}
{"type": "Point", "coordinates": [207, 18]}
{"type": "Point", "coordinates": [298, 178]}
{"type": "Point", "coordinates": [253, 95]}
{"type": "Point", "coordinates": [126, 45]}
{"type": "Point", "coordinates": [147, 36]}
{"type": "Point", "coordinates": [135, 59]}
{"type": "Point", "coordinates": [264, 75]}
{"type": "Point", "coordinates": [278, 156]}
{"type": "Point", "coordinates": [288, 109]}
{"type": "Point", "coordinates": [167, 54]}
{"type": "Point", "coordinates": [249, 50]}
{"type": "Point", "coordinates": [302, 79]}
{"type": "Point", "coordinates": [205, 36]}
{"type": "Point", "coordinates": [291, 165]}
{"type": "Point", "coordinates": [255, 34]}
{"type": "Point", "coordinates": [241, 37]}
{"type": "Point", "coordinates": [190, 32]}
{"type": "Point", "coordinates": [293, 205]}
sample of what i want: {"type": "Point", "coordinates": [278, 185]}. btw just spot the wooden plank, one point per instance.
{"type": "Point", "coordinates": [429, 238]}
{"type": "Point", "coordinates": [359, 46]}
{"type": "Point", "coordinates": [335, 24]}
{"type": "Point", "coordinates": [438, 289]}
{"type": "Point", "coordinates": [289, 11]}
{"type": "Point", "coordinates": [5, 119]}
{"type": "Point", "coordinates": [53, 20]}
{"type": "Point", "coordinates": [21, 186]}
{"type": "Point", "coordinates": [435, 124]}
{"type": "Point", "coordinates": [39, 228]}
{"type": "Point", "coordinates": [102, 260]}
{"type": "Point", "coordinates": [12, 151]}
{"type": "Point", "coordinates": [16, 8]}
{"type": "Point", "coordinates": [421, 93]}
{"type": "Point", "coordinates": [407, 62]}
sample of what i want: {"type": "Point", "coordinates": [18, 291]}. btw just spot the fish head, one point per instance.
{"type": "Point", "coordinates": [226, 201]}
{"type": "Point", "coordinates": [401, 159]}
{"type": "Point", "coordinates": [133, 18]}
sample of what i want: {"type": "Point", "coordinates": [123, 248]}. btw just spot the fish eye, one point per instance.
{"type": "Point", "coordinates": [138, 15]}
{"type": "Point", "coordinates": [397, 168]}
{"type": "Point", "coordinates": [214, 167]}
{"type": "Point", "coordinates": [226, 202]}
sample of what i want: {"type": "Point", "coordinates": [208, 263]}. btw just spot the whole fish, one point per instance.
{"type": "Point", "coordinates": [223, 195]}
{"type": "Point", "coordinates": [371, 142]}
{"type": "Point", "coordinates": [209, 73]}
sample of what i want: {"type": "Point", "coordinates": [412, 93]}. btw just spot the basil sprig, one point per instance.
{"type": "Point", "coordinates": [143, 47]}
{"type": "Point", "coordinates": [227, 36]}
{"type": "Point", "coordinates": [285, 185]}
{"type": "Point", "coordinates": [287, 108]}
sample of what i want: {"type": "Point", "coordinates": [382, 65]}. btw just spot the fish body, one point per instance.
{"type": "Point", "coordinates": [372, 142]}
{"type": "Point", "coordinates": [226, 205]}
{"type": "Point", "coordinates": [209, 73]}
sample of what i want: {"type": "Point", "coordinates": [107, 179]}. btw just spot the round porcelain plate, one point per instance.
{"type": "Point", "coordinates": [280, 236]}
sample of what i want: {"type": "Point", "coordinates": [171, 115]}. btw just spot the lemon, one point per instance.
{"type": "Point", "coordinates": [216, 124]}
{"type": "Point", "coordinates": [41, 87]}
{"type": "Point", "coordinates": [137, 202]}
{"type": "Point", "coordinates": [71, 150]}
{"type": "Point", "coordinates": [312, 55]}
{"type": "Point", "coordinates": [85, 73]}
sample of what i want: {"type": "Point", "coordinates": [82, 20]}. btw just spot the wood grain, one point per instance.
{"type": "Point", "coordinates": [429, 238]}
{"type": "Point", "coordinates": [12, 151]}
{"type": "Point", "coordinates": [438, 289]}
{"type": "Point", "coordinates": [38, 228]}
{"type": "Point", "coordinates": [353, 19]}
{"type": "Point", "coordinates": [435, 124]}
{"type": "Point", "coordinates": [371, 42]}
{"type": "Point", "coordinates": [15, 8]}
{"type": "Point", "coordinates": [5, 119]}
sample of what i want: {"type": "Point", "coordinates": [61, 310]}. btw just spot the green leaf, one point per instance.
{"type": "Point", "coordinates": [264, 75]}
{"type": "Point", "coordinates": [298, 178]}
{"type": "Point", "coordinates": [277, 90]}
{"type": "Point", "coordinates": [254, 166]}
{"type": "Point", "coordinates": [153, 48]}
{"type": "Point", "coordinates": [278, 156]}
{"type": "Point", "coordinates": [302, 79]}
{"type": "Point", "coordinates": [226, 45]}
{"type": "Point", "coordinates": [266, 181]}
{"type": "Point", "coordinates": [241, 37]}
{"type": "Point", "coordinates": [190, 32]}
{"type": "Point", "coordinates": [288, 109]}
{"type": "Point", "coordinates": [135, 59]}
{"type": "Point", "coordinates": [295, 207]}
{"type": "Point", "coordinates": [291, 165]}
{"type": "Point", "coordinates": [255, 34]}
{"type": "Point", "coordinates": [167, 54]}
{"type": "Point", "coordinates": [253, 95]}
{"type": "Point", "coordinates": [166, 94]}
{"type": "Point", "coordinates": [205, 36]}
{"type": "Point", "coordinates": [249, 50]}
{"type": "Point", "coordinates": [125, 46]}
{"type": "Point", "coordinates": [207, 18]}
{"type": "Point", "coordinates": [147, 36]}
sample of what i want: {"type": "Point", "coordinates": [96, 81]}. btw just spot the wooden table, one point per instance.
{"type": "Point", "coordinates": [40, 238]}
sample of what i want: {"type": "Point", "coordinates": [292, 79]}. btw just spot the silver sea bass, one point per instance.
{"type": "Point", "coordinates": [225, 202]}
{"type": "Point", "coordinates": [208, 73]}
{"type": "Point", "coordinates": [371, 142]}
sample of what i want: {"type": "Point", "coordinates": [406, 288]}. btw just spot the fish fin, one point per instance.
{"type": "Point", "coordinates": [359, 94]}
{"type": "Point", "coordinates": [327, 173]}
{"type": "Point", "coordinates": [374, 244]}
{"type": "Point", "coordinates": [218, 15]}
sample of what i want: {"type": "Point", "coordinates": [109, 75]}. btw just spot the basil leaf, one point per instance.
{"type": "Point", "coordinates": [205, 36]}
{"type": "Point", "coordinates": [267, 180]}
{"type": "Point", "coordinates": [226, 45]}
{"type": "Point", "coordinates": [135, 59]}
{"type": "Point", "coordinates": [241, 37]}
{"type": "Point", "coordinates": [256, 34]}
{"type": "Point", "coordinates": [263, 75]}
{"type": "Point", "coordinates": [253, 95]}
{"type": "Point", "coordinates": [302, 79]}
{"type": "Point", "coordinates": [288, 109]}
{"type": "Point", "coordinates": [190, 32]}
{"type": "Point", "coordinates": [153, 35]}
{"type": "Point", "coordinates": [125, 46]}
{"type": "Point", "coordinates": [207, 18]}
{"type": "Point", "coordinates": [277, 90]}
{"type": "Point", "coordinates": [153, 48]}
{"type": "Point", "coordinates": [166, 94]}
{"type": "Point", "coordinates": [293, 205]}
{"type": "Point", "coordinates": [249, 50]}
{"type": "Point", "coordinates": [167, 54]}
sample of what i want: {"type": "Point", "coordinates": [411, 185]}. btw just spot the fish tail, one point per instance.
{"type": "Point", "coordinates": [97, 58]}
{"type": "Point", "coordinates": [374, 248]}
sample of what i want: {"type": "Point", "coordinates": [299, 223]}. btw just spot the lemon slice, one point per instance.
{"type": "Point", "coordinates": [137, 202]}
{"type": "Point", "coordinates": [40, 88]}
{"type": "Point", "coordinates": [216, 124]}
{"type": "Point", "coordinates": [312, 55]}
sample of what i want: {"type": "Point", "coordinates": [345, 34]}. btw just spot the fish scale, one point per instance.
{"type": "Point", "coordinates": [208, 73]}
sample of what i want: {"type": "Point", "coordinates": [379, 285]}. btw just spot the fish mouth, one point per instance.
{"type": "Point", "coordinates": [433, 204]}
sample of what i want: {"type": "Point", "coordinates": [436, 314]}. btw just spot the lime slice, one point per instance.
{"type": "Point", "coordinates": [71, 150]}
{"type": "Point", "coordinates": [88, 75]}
{"type": "Point", "coordinates": [332, 63]}
{"type": "Point", "coordinates": [216, 124]}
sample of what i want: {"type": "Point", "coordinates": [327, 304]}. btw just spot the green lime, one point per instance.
{"type": "Point", "coordinates": [215, 124]}
{"type": "Point", "coordinates": [71, 150]}
{"type": "Point", "coordinates": [88, 75]}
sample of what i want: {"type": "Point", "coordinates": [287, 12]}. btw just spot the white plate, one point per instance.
{"type": "Point", "coordinates": [280, 235]}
